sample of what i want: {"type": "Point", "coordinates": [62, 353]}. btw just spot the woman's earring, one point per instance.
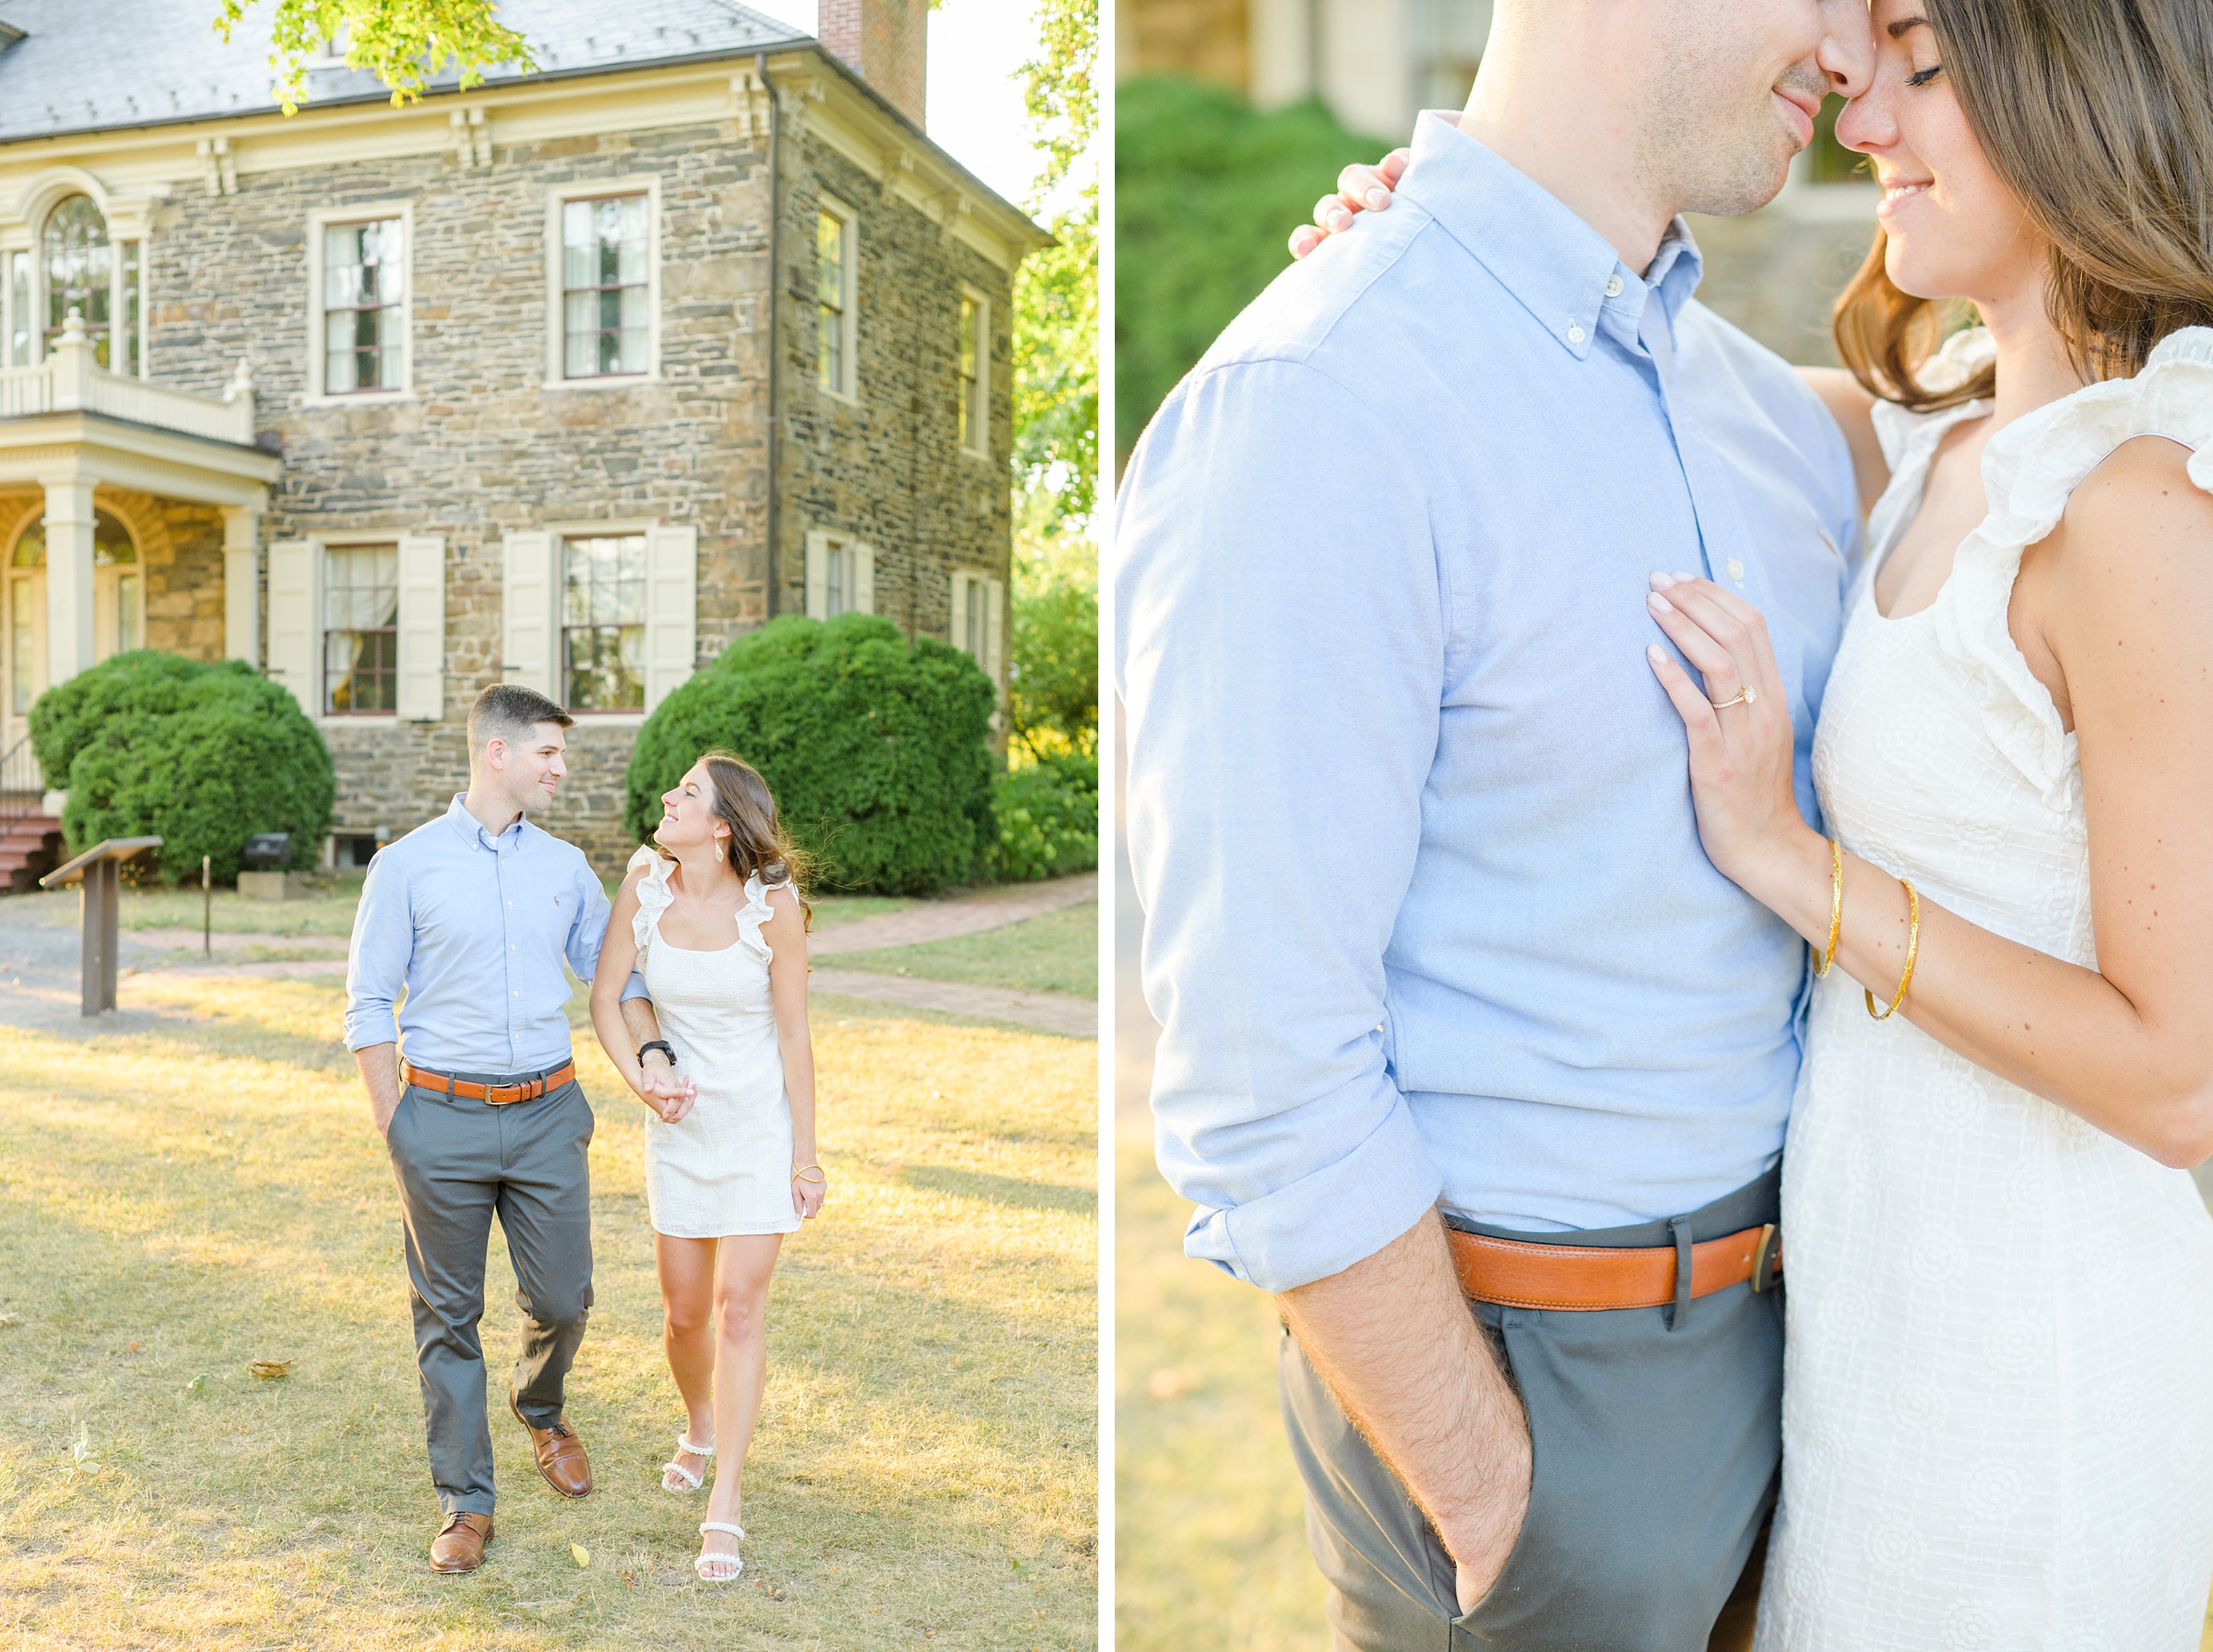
{"type": "Point", "coordinates": [717, 848]}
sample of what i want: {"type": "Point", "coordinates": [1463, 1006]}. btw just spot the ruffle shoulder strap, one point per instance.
{"type": "Point", "coordinates": [1907, 438]}
{"type": "Point", "coordinates": [752, 916]}
{"type": "Point", "coordinates": [2029, 468]}
{"type": "Point", "coordinates": [653, 892]}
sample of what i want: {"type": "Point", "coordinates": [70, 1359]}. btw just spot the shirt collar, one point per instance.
{"type": "Point", "coordinates": [1557, 265]}
{"type": "Point", "coordinates": [472, 830]}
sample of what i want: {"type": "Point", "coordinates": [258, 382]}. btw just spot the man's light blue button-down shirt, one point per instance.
{"type": "Point", "coordinates": [1427, 912]}
{"type": "Point", "coordinates": [474, 925]}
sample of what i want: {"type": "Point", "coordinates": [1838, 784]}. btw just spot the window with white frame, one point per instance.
{"type": "Point", "coordinates": [361, 630]}
{"type": "Point", "coordinates": [606, 285]}
{"type": "Point", "coordinates": [75, 266]}
{"type": "Point", "coordinates": [835, 291]}
{"type": "Point", "coordinates": [601, 616]}
{"type": "Point", "coordinates": [357, 624]}
{"type": "Point", "coordinates": [603, 622]}
{"type": "Point", "coordinates": [975, 415]}
{"type": "Point", "coordinates": [841, 576]}
{"type": "Point", "coordinates": [364, 284]}
{"type": "Point", "coordinates": [976, 617]}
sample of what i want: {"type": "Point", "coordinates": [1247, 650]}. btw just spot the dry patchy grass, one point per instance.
{"type": "Point", "coordinates": [1210, 1536]}
{"type": "Point", "coordinates": [1057, 951]}
{"type": "Point", "coordinates": [178, 1203]}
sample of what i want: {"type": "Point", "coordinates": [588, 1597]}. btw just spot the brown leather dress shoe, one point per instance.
{"type": "Point", "coordinates": [459, 1545]}
{"type": "Point", "coordinates": [559, 1453]}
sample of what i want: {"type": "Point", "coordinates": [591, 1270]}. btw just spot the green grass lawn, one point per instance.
{"type": "Point", "coordinates": [1210, 1538]}
{"type": "Point", "coordinates": [1055, 953]}
{"type": "Point", "coordinates": [179, 1202]}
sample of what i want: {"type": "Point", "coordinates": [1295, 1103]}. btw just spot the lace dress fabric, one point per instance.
{"type": "Point", "coordinates": [1998, 1391]}
{"type": "Point", "coordinates": [725, 1167]}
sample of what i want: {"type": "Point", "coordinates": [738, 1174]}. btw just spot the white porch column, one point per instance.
{"type": "Point", "coordinates": [68, 575]}
{"type": "Point", "coordinates": [242, 583]}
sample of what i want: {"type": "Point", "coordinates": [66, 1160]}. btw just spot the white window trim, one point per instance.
{"type": "Point", "coordinates": [557, 197]}
{"type": "Point", "coordinates": [850, 392]}
{"type": "Point", "coordinates": [337, 541]}
{"type": "Point", "coordinates": [820, 543]}
{"type": "Point", "coordinates": [30, 251]}
{"type": "Point", "coordinates": [557, 534]}
{"type": "Point", "coordinates": [318, 220]}
{"type": "Point", "coordinates": [981, 430]}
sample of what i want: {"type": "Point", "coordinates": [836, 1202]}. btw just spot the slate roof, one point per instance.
{"type": "Point", "coordinates": [84, 66]}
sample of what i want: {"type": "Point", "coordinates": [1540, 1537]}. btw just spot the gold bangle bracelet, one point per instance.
{"type": "Point", "coordinates": [1836, 907]}
{"type": "Point", "coordinates": [798, 1174]}
{"type": "Point", "coordinates": [1912, 950]}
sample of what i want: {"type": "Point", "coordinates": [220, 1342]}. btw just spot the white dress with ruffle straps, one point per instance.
{"type": "Point", "coordinates": [725, 1167]}
{"type": "Point", "coordinates": [1998, 1390]}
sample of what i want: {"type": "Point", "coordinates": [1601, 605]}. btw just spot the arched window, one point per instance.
{"type": "Point", "coordinates": [79, 275]}
{"type": "Point", "coordinates": [118, 603]}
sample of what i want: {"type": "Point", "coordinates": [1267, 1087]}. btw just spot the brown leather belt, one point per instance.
{"type": "Point", "coordinates": [492, 1096]}
{"type": "Point", "coordinates": [1519, 1273]}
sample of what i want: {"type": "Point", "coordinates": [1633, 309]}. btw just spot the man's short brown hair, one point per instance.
{"type": "Point", "coordinates": [507, 711]}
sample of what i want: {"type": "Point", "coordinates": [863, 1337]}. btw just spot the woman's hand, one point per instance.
{"type": "Point", "coordinates": [1741, 754]}
{"type": "Point", "coordinates": [1359, 189]}
{"type": "Point", "coordinates": [669, 1093]}
{"type": "Point", "coordinates": [808, 1192]}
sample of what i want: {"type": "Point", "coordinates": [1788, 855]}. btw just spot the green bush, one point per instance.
{"type": "Point", "coordinates": [1049, 820]}
{"type": "Point", "coordinates": [1054, 686]}
{"type": "Point", "coordinates": [1207, 194]}
{"type": "Point", "coordinates": [873, 745]}
{"type": "Point", "coordinates": [151, 744]}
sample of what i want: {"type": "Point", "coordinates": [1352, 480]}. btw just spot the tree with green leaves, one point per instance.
{"type": "Point", "coordinates": [403, 43]}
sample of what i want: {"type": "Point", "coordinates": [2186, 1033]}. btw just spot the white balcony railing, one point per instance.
{"type": "Point", "coordinates": [69, 382]}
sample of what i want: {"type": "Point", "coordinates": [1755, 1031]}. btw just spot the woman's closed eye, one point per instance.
{"type": "Point", "coordinates": [1922, 77]}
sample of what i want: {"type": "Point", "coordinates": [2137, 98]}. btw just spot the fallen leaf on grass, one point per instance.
{"type": "Point", "coordinates": [196, 1384]}
{"type": "Point", "coordinates": [580, 1554]}
{"type": "Point", "coordinates": [267, 1369]}
{"type": "Point", "coordinates": [6, 1319]}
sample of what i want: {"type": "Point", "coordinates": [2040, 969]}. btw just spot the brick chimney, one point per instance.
{"type": "Point", "coordinates": [883, 41]}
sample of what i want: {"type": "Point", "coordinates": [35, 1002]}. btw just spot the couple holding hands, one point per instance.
{"type": "Point", "coordinates": [699, 994]}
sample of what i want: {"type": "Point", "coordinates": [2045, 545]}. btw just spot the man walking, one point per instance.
{"type": "Point", "coordinates": [472, 914]}
{"type": "Point", "coordinates": [1428, 920]}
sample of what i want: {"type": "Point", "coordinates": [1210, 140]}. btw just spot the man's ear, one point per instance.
{"type": "Point", "coordinates": [495, 753]}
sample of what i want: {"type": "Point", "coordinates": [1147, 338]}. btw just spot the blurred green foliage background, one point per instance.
{"type": "Point", "coordinates": [1209, 190]}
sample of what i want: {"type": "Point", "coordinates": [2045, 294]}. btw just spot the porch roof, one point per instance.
{"type": "Point", "coordinates": [65, 418]}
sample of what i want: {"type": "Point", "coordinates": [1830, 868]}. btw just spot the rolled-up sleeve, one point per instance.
{"type": "Point", "coordinates": [1281, 639]}
{"type": "Point", "coordinates": [377, 958]}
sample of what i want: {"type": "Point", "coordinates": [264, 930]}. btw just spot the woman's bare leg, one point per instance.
{"type": "Point", "coordinates": [746, 1263]}
{"type": "Point", "coordinates": [687, 1270]}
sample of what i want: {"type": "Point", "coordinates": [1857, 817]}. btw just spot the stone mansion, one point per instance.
{"type": "Point", "coordinates": [565, 380]}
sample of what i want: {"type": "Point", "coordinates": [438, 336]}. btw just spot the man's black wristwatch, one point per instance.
{"type": "Point", "coordinates": [656, 1044]}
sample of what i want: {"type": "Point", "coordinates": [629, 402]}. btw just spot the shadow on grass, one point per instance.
{"type": "Point", "coordinates": [1000, 1190]}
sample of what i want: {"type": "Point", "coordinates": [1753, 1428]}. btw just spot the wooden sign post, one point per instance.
{"type": "Point", "coordinates": [97, 911]}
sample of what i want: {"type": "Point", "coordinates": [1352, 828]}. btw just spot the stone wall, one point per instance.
{"type": "Point", "coordinates": [891, 469]}
{"type": "Point", "coordinates": [482, 447]}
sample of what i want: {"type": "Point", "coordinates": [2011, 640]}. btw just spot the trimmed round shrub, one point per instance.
{"type": "Point", "coordinates": [1048, 819]}
{"type": "Point", "coordinates": [150, 744]}
{"type": "Point", "coordinates": [872, 744]}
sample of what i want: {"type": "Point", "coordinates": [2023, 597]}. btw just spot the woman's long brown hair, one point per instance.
{"type": "Point", "coordinates": [2098, 114]}
{"type": "Point", "coordinates": [740, 799]}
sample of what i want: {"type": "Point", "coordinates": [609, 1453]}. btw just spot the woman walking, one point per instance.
{"type": "Point", "coordinates": [712, 913]}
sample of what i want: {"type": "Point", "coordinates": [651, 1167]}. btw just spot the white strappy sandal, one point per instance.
{"type": "Point", "coordinates": [692, 1482]}
{"type": "Point", "coordinates": [709, 1567]}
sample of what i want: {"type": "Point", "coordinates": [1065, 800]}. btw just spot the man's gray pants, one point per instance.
{"type": "Point", "coordinates": [1657, 1452]}
{"type": "Point", "coordinates": [458, 1163]}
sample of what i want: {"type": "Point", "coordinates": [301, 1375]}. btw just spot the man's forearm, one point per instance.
{"type": "Point", "coordinates": [639, 1021]}
{"type": "Point", "coordinates": [1394, 1341]}
{"type": "Point", "coordinates": [380, 1075]}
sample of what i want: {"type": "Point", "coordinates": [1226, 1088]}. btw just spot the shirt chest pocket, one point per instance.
{"type": "Point", "coordinates": [537, 922]}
